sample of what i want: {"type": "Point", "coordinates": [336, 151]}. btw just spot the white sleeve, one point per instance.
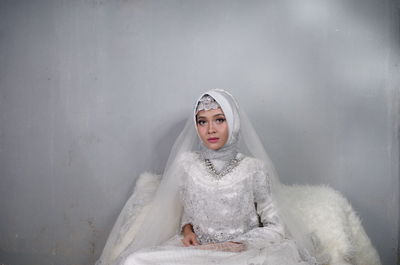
{"type": "Point", "coordinates": [273, 230]}
{"type": "Point", "coordinates": [266, 208]}
{"type": "Point", "coordinates": [185, 220]}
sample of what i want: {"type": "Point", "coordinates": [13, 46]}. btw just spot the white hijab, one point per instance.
{"type": "Point", "coordinates": [230, 109]}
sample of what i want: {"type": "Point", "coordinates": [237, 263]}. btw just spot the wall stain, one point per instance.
{"type": "Point", "coordinates": [94, 231]}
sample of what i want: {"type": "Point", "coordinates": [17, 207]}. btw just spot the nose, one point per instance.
{"type": "Point", "coordinates": [211, 128]}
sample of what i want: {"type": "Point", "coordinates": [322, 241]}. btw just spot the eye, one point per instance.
{"type": "Point", "coordinates": [201, 122]}
{"type": "Point", "coordinates": [220, 120]}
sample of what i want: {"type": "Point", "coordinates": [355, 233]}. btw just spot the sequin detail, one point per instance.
{"type": "Point", "coordinates": [234, 162]}
{"type": "Point", "coordinates": [224, 210]}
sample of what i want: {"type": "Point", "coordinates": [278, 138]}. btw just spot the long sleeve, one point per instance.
{"type": "Point", "coordinates": [186, 217]}
{"type": "Point", "coordinates": [266, 208]}
{"type": "Point", "coordinates": [185, 220]}
{"type": "Point", "coordinates": [273, 230]}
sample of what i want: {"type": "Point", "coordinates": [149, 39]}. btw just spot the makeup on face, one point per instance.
{"type": "Point", "coordinates": [212, 128]}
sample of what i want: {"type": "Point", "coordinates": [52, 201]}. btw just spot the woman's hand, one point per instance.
{"type": "Point", "coordinates": [189, 237]}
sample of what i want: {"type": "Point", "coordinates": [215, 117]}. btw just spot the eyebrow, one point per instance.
{"type": "Point", "coordinates": [203, 117]}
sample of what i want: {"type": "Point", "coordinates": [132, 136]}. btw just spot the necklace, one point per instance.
{"type": "Point", "coordinates": [234, 162]}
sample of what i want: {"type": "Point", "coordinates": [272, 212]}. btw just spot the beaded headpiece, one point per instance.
{"type": "Point", "coordinates": [206, 103]}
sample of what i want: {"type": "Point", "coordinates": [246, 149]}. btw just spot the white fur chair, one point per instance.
{"type": "Point", "coordinates": [335, 224]}
{"type": "Point", "coordinates": [327, 213]}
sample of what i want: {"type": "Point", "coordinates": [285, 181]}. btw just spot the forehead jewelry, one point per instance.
{"type": "Point", "coordinates": [206, 103]}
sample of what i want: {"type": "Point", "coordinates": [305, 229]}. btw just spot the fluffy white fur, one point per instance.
{"type": "Point", "coordinates": [327, 213]}
{"type": "Point", "coordinates": [335, 224]}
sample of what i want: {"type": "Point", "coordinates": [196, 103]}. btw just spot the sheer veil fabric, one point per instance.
{"type": "Point", "coordinates": [162, 220]}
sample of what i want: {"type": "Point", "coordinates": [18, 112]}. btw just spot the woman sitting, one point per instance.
{"type": "Point", "coordinates": [219, 200]}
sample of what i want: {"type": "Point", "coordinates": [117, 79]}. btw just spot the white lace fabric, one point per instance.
{"type": "Point", "coordinates": [223, 210]}
{"type": "Point", "coordinates": [206, 103]}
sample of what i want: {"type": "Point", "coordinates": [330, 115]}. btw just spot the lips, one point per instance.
{"type": "Point", "coordinates": [213, 140]}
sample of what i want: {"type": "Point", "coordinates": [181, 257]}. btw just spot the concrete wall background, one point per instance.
{"type": "Point", "coordinates": [94, 92]}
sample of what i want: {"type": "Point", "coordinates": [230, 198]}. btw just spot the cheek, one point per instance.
{"type": "Point", "coordinates": [226, 129]}
{"type": "Point", "coordinates": [226, 133]}
{"type": "Point", "coordinates": [201, 131]}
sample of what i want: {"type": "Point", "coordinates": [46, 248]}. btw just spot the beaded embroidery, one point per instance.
{"type": "Point", "coordinates": [224, 210]}
{"type": "Point", "coordinates": [226, 170]}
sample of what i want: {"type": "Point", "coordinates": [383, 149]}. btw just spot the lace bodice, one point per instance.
{"type": "Point", "coordinates": [223, 210]}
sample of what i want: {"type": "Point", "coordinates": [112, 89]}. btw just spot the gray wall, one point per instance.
{"type": "Point", "coordinates": [94, 92]}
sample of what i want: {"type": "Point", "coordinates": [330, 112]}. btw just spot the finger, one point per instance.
{"type": "Point", "coordinates": [185, 242]}
{"type": "Point", "coordinates": [192, 242]}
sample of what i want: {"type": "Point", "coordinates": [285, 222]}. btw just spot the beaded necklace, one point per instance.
{"type": "Point", "coordinates": [234, 162]}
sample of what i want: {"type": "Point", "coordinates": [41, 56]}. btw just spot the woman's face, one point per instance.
{"type": "Point", "coordinates": [212, 128]}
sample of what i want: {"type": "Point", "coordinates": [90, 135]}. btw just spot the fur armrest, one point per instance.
{"type": "Point", "coordinates": [334, 222]}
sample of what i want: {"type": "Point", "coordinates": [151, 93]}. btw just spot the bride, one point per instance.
{"type": "Point", "coordinates": [218, 202]}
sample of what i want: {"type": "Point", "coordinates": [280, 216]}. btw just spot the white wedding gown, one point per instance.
{"type": "Point", "coordinates": [222, 210]}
